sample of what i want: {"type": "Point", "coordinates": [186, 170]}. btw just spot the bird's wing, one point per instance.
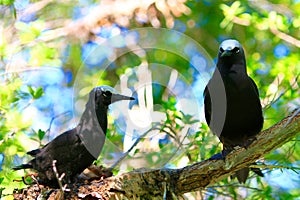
{"type": "Point", "coordinates": [60, 148]}
{"type": "Point", "coordinates": [62, 143]}
{"type": "Point", "coordinates": [68, 150]}
{"type": "Point", "coordinates": [254, 85]}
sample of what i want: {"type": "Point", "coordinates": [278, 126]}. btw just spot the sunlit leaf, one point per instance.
{"type": "Point", "coordinates": [41, 134]}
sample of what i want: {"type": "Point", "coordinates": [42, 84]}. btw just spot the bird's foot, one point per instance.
{"type": "Point", "coordinates": [220, 156]}
{"type": "Point", "coordinates": [225, 152]}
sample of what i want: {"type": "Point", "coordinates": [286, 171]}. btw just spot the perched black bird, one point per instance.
{"type": "Point", "coordinates": [231, 100]}
{"type": "Point", "coordinates": [76, 149]}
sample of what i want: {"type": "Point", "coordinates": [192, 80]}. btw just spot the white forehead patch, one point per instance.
{"type": "Point", "coordinates": [230, 44]}
{"type": "Point", "coordinates": [106, 88]}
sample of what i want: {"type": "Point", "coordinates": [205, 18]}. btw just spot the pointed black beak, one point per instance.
{"type": "Point", "coordinates": [119, 97]}
{"type": "Point", "coordinates": [227, 52]}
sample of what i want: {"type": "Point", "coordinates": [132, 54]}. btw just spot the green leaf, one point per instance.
{"type": "Point", "coordinates": [41, 134]}
{"type": "Point", "coordinates": [31, 91]}
{"type": "Point", "coordinates": [35, 93]}
{"type": "Point", "coordinates": [38, 93]}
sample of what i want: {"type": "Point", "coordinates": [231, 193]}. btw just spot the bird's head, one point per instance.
{"type": "Point", "coordinates": [107, 95]}
{"type": "Point", "coordinates": [231, 49]}
{"type": "Point", "coordinates": [231, 57]}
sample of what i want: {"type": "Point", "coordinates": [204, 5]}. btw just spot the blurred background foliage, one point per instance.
{"type": "Point", "coordinates": [53, 52]}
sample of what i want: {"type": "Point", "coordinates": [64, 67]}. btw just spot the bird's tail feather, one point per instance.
{"type": "Point", "coordinates": [23, 166]}
{"type": "Point", "coordinates": [242, 175]}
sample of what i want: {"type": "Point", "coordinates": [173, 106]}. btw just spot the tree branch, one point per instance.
{"type": "Point", "coordinates": [147, 183]}
{"type": "Point", "coordinates": [156, 183]}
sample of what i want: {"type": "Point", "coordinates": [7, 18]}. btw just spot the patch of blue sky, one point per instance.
{"type": "Point", "coordinates": [84, 8]}
{"type": "Point", "coordinates": [198, 87]}
{"type": "Point", "coordinates": [117, 41]}
{"type": "Point", "coordinates": [23, 55]}
{"type": "Point", "coordinates": [94, 54]}
{"type": "Point", "coordinates": [43, 76]}
{"type": "Point", "coordinates": [56, 100]}
{"type": "Point", "coordinates": [285, 179]}
{"type": "Point", "coordinates": [21, 4]}
{"type": "Point", "coordinates": [281, 51]}
{"type": "Point", "coordinates": [198, 62]}
{"type": "Point", "coordinates": [108, 31]}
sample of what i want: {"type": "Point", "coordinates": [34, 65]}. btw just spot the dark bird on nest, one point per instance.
{"type": "Point", "coordinates": [78, 148]}
{"type": "Point", "coordinates": [231, 103]}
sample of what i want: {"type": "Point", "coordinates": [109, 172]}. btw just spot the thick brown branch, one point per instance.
{"type": "Point", "coordinates": [154, 183]}
{"type": "Point", "coordinates": [148, 183]}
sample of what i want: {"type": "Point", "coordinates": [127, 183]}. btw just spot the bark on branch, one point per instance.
{"type": "Point", "coordinates": [157, 183]}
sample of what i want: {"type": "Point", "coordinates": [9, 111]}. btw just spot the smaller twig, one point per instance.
{"type": "Point", "coordinates": [284, 36]}
{"type": "Point", "coordinates": [274, 167]}
{"type": "Point", "coordinates": [33, 178]}
{"type": "Point", "coordinates": [171, 129]}
{"type": "Point", "coordinates": [274, 100]}
{"type": "Point", "coordinates": [234, 185]}
{"type": "Point", "coordinates": [134, 144]}
{"type": "Point", "coordinates": [166, 132]}
{"type": "Point", "coordinates": [59, 178]}
{"type": "Point", "coordinates": [52, 120]}
{"type": "Point", "coordinates": [28, 104]}
{"type": "Point", "coordinates": [296, 112]}
{"type": "Point", "coordinates": [177, 149]}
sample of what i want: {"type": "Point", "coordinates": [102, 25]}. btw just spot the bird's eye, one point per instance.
{"type": "Point", "coordinates": [236, 50]}
{"type": "Point", "coordinates": [106, 93]}
{"type": "Point", "coordinates": [221, 50]}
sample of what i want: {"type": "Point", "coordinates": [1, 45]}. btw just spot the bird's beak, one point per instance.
{"type": "Point", "coordinates": [119, 97]}
{"type": "Point", "coordinates": [226, 53]}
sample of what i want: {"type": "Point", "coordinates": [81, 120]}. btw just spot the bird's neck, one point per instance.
{"type": "Point", "coordinates": [92, 127]}
{"type": "Point", "coordinates": [232, 68]}
{"type": "Point", "coordinates": [93, 116]}
{"type": "Point", "coordinates": [101, 113]}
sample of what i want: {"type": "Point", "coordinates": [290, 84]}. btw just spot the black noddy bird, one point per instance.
{"type": "Point", "coordinates": [76, 149]}
{"type": "Point", "coordinates": [231, 103]}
